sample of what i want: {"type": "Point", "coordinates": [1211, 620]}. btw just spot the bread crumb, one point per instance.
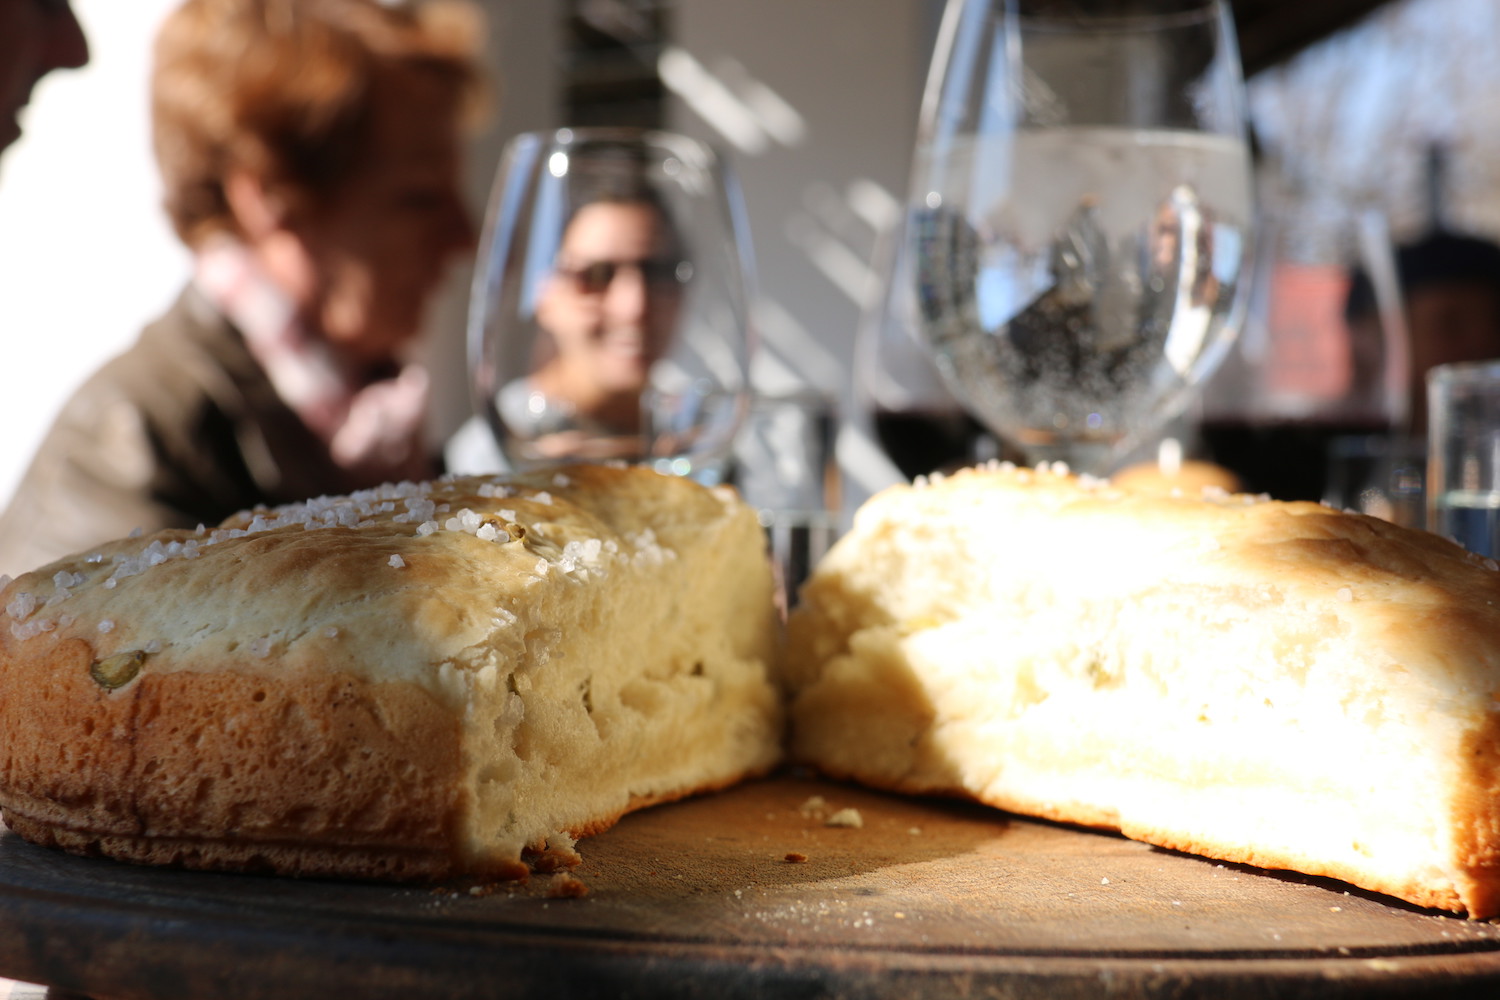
{"type": "Point", "coordinates": [485, 889]}
{"type": "Point", "coordinates": [813, 806]}
{"type": "Point", "coordinates": [796, 857]}
{"type": "Point", "coordinates": [565, 885]}
{"type": "Point", "coordinates": [846, 817]}
{"type": "Point", "coordinates": [556, 857]}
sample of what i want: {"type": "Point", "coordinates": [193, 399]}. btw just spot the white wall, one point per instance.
{"type": "Point", "coordinates": [816, 104]}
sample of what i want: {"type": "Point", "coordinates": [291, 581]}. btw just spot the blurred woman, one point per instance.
{"type": "Point", "coordinates": [310, 156]}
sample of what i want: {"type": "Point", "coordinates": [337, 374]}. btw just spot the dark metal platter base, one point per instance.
{"type": "Point", "coordinates": [748, 893]}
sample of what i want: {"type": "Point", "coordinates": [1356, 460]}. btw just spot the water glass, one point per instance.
{"type": "Point", "coordinates": [1463, 471]}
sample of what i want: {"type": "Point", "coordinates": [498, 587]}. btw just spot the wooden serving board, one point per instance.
{"type": "Point", "coordinates": [748, 893]}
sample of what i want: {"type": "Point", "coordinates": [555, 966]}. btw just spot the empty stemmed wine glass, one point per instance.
{"type": "Point", "coordinates": [1080, 213]}
{"type": "Point", "coordinates": [608, 318]}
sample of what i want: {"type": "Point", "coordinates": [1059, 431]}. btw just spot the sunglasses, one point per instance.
{"type": "Point", "coordinates": [595, 278]}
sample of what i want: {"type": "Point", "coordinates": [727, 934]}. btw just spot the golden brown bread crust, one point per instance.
{"type": "Point", "coordinates": [1278, 684]}
{"type": "Point", "coordinates": [325, 775]}
{"type": "Point", "coordinates": [396, 696]}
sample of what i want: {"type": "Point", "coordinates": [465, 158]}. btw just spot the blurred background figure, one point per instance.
{"type": "Point", "coordinates": [310, 156]}
{"type": "Point", "coordinates": [36, 37]}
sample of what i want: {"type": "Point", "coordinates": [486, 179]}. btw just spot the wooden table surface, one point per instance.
{"type": "Point", "coordinates": [748, 893]}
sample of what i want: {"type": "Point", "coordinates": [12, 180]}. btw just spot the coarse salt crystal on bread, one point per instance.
{"type": "Point", "coordinates": [417, 681]}
{"type": "Point", "coordinates": [1278, 684]}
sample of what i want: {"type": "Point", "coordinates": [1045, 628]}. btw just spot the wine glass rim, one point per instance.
{"type": "Point", "coordinates": [571, 136]}
{"type": "Point", "coordinates": [1464, 373]}
{"type": "Point", "coordinates": [1061, 23]}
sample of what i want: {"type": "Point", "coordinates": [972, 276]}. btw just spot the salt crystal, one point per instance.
{"type": "Point", "coordinates": [396, 561]}
{"type": "Point", "coordinates": [426, 528]}
{"type": "Point", "coordinates": [106, 625]}
{"type": "Point", "coordinates": [543, 497]}
{"type": "Point", "coordinates": [1104, 881]}
{"type": "Point", "coordinates": [261, 648]}
{"type": "Point", "coordinates": [21, 605]}
{"type": "Point", "coordinates": [154, 646]}
{"type": "Point", "coordinates": [487, 533]}
{"type": "Point", "coordinates": [330, 632]}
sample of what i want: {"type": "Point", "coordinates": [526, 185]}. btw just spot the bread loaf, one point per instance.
{"type": "Point", "coordinates": [1279, 684]}
{"type": "Point", "coordinates": [413, 682]}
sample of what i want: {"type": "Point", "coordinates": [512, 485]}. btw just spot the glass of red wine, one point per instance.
{"type": "Point", "coordinates": [1319, 374]}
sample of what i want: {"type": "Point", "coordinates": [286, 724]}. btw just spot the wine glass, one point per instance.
{"type": "Point", "coordinates": [1312, 401]}
{"type": "Point", "coordinates": [1081, 215]}
{"type": "Point", "coordinates": [910, 411]}
{"type": "Point", "coordinates": [608, 317]}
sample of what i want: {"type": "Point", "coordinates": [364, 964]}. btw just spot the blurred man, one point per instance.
{"type": "Point", "coordinates": [36, 37]}
{"type": "Point", "coordinates": [607, 312]}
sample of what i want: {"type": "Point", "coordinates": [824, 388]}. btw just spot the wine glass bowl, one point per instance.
{"type": "Point", "coordinates": [1317, 384]}
{"type": "Point", "coordinates": [1080, 215]}
{"type": "Point", "coordinates": [608, 318]}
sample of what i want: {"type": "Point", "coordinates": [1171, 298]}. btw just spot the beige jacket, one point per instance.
{"type": "Point", "coordinates": [182, 429]}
